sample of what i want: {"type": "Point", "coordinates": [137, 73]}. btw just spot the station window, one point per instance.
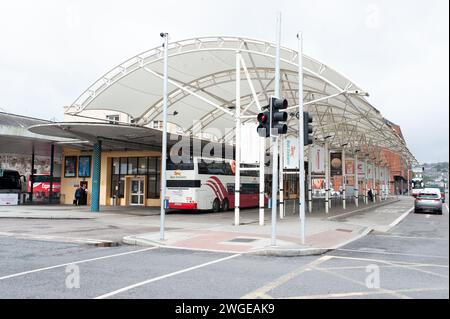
{"type": "Point", "coordinates": [122, 166]}
{"type": "Point", "coordinates": [113, 119]}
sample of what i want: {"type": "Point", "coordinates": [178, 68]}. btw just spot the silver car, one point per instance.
{"type": "Point", "coordinates": [429, 199]}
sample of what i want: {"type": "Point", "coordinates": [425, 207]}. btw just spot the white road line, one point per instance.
{"type": "Point", "coordinates": [382, 290]}
{"type": "Point", "coordinates": [388, 253]}
{"type": "Point", "coordinates": [262, 291]}
{"type": "Point", "coordinates": [399, 265]}
{"type": "Point", "coordinates": [428, 216]}
{"type": "Point", "coordinates": [362, 293]}
{"type": "Point", "coordinates": [381, 266]}
{"type": "Point", "coordinates": [398, 220]}
{"type": "Point", "coordinates": [412, 237]}
{"type": "Point", "coordinates": [142, 283]}
{"type": "Point", "coordinates": [390, 262]}
{"type": "Point", "coordinates": [75, 262]}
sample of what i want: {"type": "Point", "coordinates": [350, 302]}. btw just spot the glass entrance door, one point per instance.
{"type": "Point", "coordinates": [137, 192]}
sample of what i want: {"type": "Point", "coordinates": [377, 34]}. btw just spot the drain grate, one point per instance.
{"type": "Point", "coordinates": [242, 240]}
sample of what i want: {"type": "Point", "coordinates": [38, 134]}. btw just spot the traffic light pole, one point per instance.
{"type": "Point", "coordinates": [301, 147]}
{"type": "Point", "coordinates": [274, 136]}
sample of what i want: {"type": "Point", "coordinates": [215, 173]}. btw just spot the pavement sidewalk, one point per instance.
{"type": "Point", "coordinates": [323, 232]}
{"type": "Point", "coordinates": [205, 231]}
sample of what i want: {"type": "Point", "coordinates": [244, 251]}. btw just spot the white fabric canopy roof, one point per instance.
{"type": "Point", "coordinates": [202, 90]}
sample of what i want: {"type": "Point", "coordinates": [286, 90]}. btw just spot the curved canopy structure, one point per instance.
{"type": "Point", "coordinates": [202, 82]}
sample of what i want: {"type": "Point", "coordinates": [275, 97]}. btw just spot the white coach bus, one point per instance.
{"type": "Point", "coordinates": [208, 184]}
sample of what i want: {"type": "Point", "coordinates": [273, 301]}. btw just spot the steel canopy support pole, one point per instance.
{"type": "Point", "coordinates": [344, 184]}
{"type": "Point", "coordinates": [237, 175]}
{"type": "Point", "coordinates": [32, 174]}
{"type": "Point", "coordinates": [281, 170]}
{"type": "Point", "coordinates": [274, 136]}
{"type": "Point", "coordinates": [356, 189]}
{"type": "Point", "coordinates": [366, 182]}
{"type": "Point", "coordinates": [374, 175]}
{"type": "Point", "coordinates": [52, 168]}
{"type": "Point", "coordinates": [301, 147]}
{"type": "Point", "coordinates": [164, 139]}
{"type": "Point", "coordinates": [96, 170]}
{"type": "Point", "coordinates": [327, 179]}
{"type": "Point", "coordinates": [409, 183]}
{"type": "Point", "coordinates": [386, 182]}
{"type": "Point", "coordinates": [310, 206]}
{"type": "Point", "coordinates": [262, 159]}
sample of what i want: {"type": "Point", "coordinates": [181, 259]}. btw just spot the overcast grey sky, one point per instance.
{"type": "Point", "coordinates": [397, 50]}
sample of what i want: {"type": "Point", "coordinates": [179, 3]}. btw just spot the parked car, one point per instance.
{"type": "Point", "coordinates": [428, 200]}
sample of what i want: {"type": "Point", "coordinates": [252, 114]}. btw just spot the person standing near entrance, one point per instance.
{"type": "Point", "coordinates": [370, 194]}
{"type": "Point", "coordinates": [83, 199]}
{"type": "Point", "coordinates": [78, 194]}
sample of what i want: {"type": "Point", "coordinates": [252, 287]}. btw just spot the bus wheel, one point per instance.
{"type": "Point", "coordinates": [216, 205]}
{"type": "Point", "coordinates": [225, 205]}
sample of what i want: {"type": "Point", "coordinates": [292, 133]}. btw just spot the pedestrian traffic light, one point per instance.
{"type": "Point", "coordinates": [307, 129]}
{"type": "Point", "coordinates": [263, 128]}
{"type": "Point", "coordinates": [276, 105]}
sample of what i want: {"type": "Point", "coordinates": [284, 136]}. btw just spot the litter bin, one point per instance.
{"type": "Point", "coordinates": [114, 200]}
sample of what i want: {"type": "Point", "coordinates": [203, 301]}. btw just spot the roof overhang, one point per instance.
{"type": "Point", "coordinates": [202, 82]}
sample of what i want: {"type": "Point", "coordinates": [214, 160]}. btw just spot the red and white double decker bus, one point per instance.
{"type": "Point", "coordinates": [208, 184]}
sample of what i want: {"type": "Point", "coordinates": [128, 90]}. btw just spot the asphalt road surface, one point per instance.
{"type": "Point", "coordinates": [411, 261]}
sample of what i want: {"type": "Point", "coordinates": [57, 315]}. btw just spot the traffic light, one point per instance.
{"type": "Point", "coordinates": [263, 128]}
{"type": "Point", "coordinates": [307, 129]}
{"type": "Point", "coordinates": [276, 105]}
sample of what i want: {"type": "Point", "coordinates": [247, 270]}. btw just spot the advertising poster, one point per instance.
{"type": "Point", "coordinates": [70, 166]}
{"type": "Point", "coordinates": [349, 167]}
{"type": "Point", "coordinates": [317, 160]}
{"type": "Point", "coordinates": [336, 164]}
{"type": "Point", "coordinates": [350, 181]}
{"type": "Point", "coordinates": [249, 143]}
{"type": "Point", "coordinates": [290, 149]}
{"type": "Point", "coordinates": [361, 169]}
{"type": "Point", "coordinates": [84, 166]}
{"type": "Point", "coordinates": [369, 171]}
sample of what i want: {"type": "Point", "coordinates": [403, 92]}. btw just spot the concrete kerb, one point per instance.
{"type": "Point", "coordinates": [291, 252]}
{"type": "Point", "coordinates": [86, 241]}
{"type": "Point", "coordinates": [46, 217]}
{"type": "Point", "coordinates": [309, 251]}
{"type": "Point", "coordinates": [274, 251]}
{"type": "Point", "coordinates": [362, 209]}
{"type": "Point", "coordinates": [399, 219]}
{"type": "Point", "coordinates": [132, 240]}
